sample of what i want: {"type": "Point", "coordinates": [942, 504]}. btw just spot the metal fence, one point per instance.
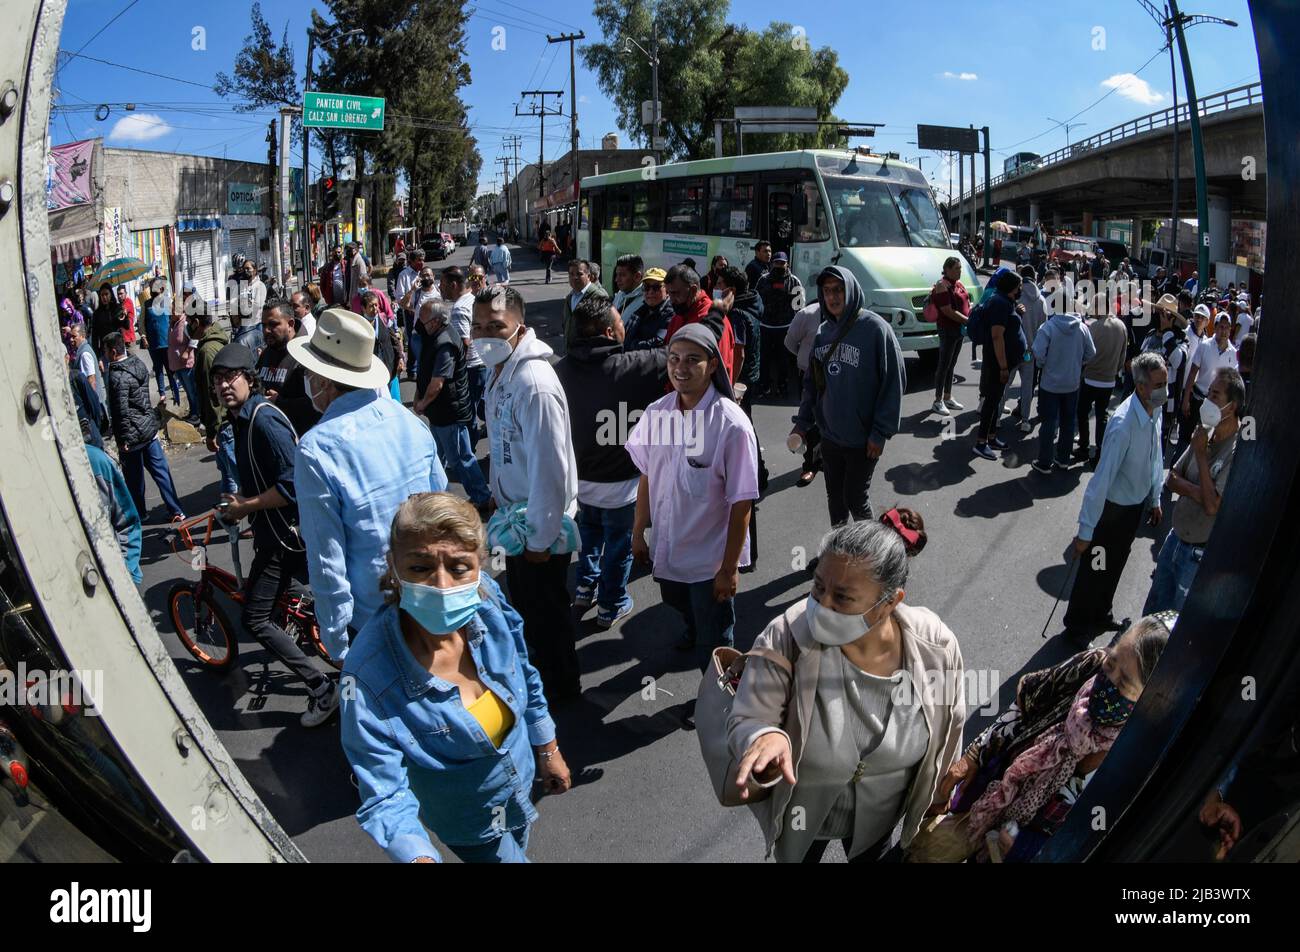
{"type": "Point", "coordinates": [1235, 98]}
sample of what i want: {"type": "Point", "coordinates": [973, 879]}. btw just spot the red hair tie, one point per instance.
{"type": "Point", "coordinates": [910, 536]}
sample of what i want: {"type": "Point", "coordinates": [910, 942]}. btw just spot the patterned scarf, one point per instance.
{"type": "Point", "coordinates": [1044, 768]}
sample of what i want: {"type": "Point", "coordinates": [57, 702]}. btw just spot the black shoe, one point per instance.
{"type": "Point", "coordinates": [996, 443]}
{"type": "Point", "coordinates": [1040, 468]}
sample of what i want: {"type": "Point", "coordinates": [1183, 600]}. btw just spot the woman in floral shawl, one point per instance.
{"type": "Point", "coordinates": [1031, 764]}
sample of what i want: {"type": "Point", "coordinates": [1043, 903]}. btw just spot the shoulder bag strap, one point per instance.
{"type": "Point", "coordinates": [289, 528]}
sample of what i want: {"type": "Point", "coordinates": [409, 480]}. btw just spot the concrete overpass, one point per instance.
{"type": "Point", "coordinates": [1127, 172]}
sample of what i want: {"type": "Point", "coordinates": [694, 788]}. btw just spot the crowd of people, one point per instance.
{"type": "Point", "coordinates": [636, 445]}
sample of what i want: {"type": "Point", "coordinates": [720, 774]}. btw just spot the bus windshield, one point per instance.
{"type": "Point", "coordinates": [870, 214]}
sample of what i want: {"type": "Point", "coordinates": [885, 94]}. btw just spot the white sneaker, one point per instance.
{"type": "Point", "coordinates": [1026, 426]}
{"type": "Point", "coordinates": [940, 408]}
{"type": "Point", "coordinates": [952, 404]}
{"type": "Point", "coordinates": [320, 711]}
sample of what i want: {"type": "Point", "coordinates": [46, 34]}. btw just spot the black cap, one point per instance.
{"type": "Point", "coordinates": [234, 357]}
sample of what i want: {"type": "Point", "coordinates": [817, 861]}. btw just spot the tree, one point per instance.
{"type": "Point", "coordinates": [707, 67]}
{"type": "Point", "coordinates": [264, 74]}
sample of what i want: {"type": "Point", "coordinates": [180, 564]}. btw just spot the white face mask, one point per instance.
{"type": "Point", "coordinates": [495, 350]}
{"type": "Point", "coordinates": [1211, 414]}
{"type": "Point", "coordinates": [836, 629]}
{"type": "Point", "coordinates": [311, 394]}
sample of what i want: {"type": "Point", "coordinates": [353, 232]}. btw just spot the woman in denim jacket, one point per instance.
{"type": "Point", "coordinates": [444, 720]}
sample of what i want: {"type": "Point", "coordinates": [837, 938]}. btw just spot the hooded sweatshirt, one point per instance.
{"type": "Point", "coordinates": [865, 378]}
{"type": "Point", "coordinates": [1062, 347]}
{"type": "Point", "coordinates": [531, 443]}
{"type": "Point", "coordinates": [1036, 309]}
{"type": "Point", "coordinates": [627, 302]}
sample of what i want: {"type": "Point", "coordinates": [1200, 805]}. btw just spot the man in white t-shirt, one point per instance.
{"type": "Point", "coordinates": [1244, 322]}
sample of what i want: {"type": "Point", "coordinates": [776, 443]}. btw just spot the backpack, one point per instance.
{"type": "Point", "coordinates": [977, 324]}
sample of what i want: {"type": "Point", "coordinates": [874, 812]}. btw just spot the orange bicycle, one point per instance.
{"type": "Point", "coordinates": [202, 624]}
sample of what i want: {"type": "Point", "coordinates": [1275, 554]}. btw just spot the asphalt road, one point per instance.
{"type": "Point", "coordinates": [992, 569]}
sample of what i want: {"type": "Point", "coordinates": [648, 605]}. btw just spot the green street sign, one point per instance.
{"type": "Point", "coordinates": [343, 111]}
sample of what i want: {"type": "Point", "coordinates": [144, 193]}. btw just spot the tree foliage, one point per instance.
{"type": "Point", "coordinates": [411, 53]}
{"type": "Point", "coordinates": [707, 67]}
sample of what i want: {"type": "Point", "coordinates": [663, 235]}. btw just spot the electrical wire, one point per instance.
{"type": "Point", "coordinates": [95, 35]}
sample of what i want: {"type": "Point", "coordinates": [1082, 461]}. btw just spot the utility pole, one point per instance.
{"type": "Point", "coordinates": [283, 256]}
{"type": "Point", "coordinates": [988, 198]}
{"type": "Point", "coordinates": [570, 38]}
{"type": "Point", "coordinates": [272, 174]}
{"type": "Point", "coordinates": [541, 112]}
{"type": "Point", "coordinates": [505, 177]}
{"type": "Point", "coordinates": [514, 142]}
{"type": "Point", "coordinates": [1173, 81]}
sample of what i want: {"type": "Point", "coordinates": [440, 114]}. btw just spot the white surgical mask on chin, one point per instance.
{"type": "Point", "coordinates": [495, 350]}
{"type": "Point", "coordinates": [834, 628]}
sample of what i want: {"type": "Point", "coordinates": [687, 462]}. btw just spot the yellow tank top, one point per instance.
{"type": "Point", "coordinates": [493, 716]}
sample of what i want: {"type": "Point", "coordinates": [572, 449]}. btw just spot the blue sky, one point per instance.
{"type": "Point", "coordinates": [998, 63]}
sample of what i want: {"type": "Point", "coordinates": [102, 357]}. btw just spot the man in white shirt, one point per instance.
{"type": "Point", "coordinates": [453, 290]}
{"type": "Point", "coordinates": [406, 280]}
{"type": "Point", "coordinates": [1243, 323]}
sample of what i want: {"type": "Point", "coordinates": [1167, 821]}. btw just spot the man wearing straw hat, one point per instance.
{"type": "Point", "coordinates": [364, 458]}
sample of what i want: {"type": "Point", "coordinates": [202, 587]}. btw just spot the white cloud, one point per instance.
{"type": "Point", "coordinates": [583, 99]}
{"type": "Point", "coordinates": [1131, 87]}
{"type": "Point", "coordinates": [965, 77]}
{"type": "Point", "coordinates": [140, 127]}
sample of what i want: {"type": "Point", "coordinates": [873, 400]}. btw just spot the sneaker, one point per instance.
{"type": "Point", "coordinates": [608, 619]}
{"type": "Point", "coordinates": [940, 408]}
{"type": "Point", "coordinates": [996, 443]}
{"type": "Point", "coordinates": [1040, 468]}
{"type": "Point", "coordinates": [584, 596]}
{"type": "Point", "coordinates": [1061, 464]}
{"type": "Point", "coordinates": [320, 710]}
{"type": "Point", "coordinates": [1025, 427]}
{"type": "Point", "coordinates": [977, 364]}
{"type": "Point", "coordinates": [952, 404]}
{"type": "Point", "coordinates": [982, 449]}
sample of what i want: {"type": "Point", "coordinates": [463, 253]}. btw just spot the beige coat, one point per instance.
{"type": "Point", "coordinates": [930, 654]}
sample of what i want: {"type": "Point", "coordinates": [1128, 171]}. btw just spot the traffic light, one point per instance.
{"type": "Point", "coordinates": [330, 204]}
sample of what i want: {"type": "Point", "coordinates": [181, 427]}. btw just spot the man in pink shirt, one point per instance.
{"type": "Point", "coordinates": [698, 458]}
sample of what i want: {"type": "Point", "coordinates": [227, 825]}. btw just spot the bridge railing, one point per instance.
{"type": "Point", "coordinates": [1234, 98]}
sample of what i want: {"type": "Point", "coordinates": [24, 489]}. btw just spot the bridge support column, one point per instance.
{"type": "Point", "coordinates": [1058, 221]}
{"type": "Point", "coordinates": [1035, 213]}
{"type": "Point", "coordinates": [1087, 224]}
{"type": "Point", "coordinates": [1219, 228]}
{"type": "Point", "coordinates": [1135, 243]}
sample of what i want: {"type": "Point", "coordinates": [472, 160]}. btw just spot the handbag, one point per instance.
{"type": "Point", "coordinates": [931, 313]}
{"type": "Point", "coordinates": [713, 703]}
{"type": "Point", "coordinates": [942, 839]}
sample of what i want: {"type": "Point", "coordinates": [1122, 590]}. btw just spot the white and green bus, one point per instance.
{"type": "Point", "coordinates": [874, 215]}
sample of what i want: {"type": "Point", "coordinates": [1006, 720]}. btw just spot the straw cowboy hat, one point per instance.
{"type": "Point", "coordinates": [341, 349]}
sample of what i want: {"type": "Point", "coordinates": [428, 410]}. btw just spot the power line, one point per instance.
{"type": "Point", "coordinates": [175, 79]}
{"type": "Point", "coordinates": [103, 28]}
{"type": "Point", "coordinates": [542, 16]}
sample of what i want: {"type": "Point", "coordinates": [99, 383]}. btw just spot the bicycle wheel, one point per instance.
{"type": "Point", "coordinates": [203, 627]}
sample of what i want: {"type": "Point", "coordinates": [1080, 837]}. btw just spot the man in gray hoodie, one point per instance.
{"type": "Point", "coordinates": [853, 392]}
{"type": "Point", "coordinates": [1036, 311]}
{"type": "Point", "coordinates": [1062, 347]}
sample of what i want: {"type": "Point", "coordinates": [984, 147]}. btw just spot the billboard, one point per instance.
{"type": "Point", "coordinates": [948, 139]}
{"type": "Point", "coordinates": [68, 174]}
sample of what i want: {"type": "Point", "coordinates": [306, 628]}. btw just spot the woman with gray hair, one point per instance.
{"type": "Point", "coordinates": [856, 735]}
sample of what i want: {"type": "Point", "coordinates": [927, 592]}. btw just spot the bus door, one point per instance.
{"type": "Point", "coordinates": [781, 215]}
{"type": "Point", "coordinates": [796, 222]}
{"type": "Point", "coordinates": [587, 239]}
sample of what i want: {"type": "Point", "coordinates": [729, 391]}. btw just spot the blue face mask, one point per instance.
{"type": "Point", "coordinates": [440, 611]}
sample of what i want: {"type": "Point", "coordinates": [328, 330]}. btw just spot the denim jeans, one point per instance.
{"type": "Point", "coordinates": [1056, 410]}
{"type": "Point", "coordinates": [709, 622]}
{"type": "Point", "coordinates": [152, 458]}
{"type": "Point", "coordinates": [186, 377]}
{"type": "Point", "coordinates": [1176, 568]}
{"type": "Point", "coordinates": [159, 357]}
{"type": "Point", "coordinates": [458, 459]}
{"type": "Point", "coordinates": [226, 459]}
{"type": "Point", "coordinates": [1096, 399]}
{"type": "Point", "coordinates": [509, 847]}
{"type": "Point", "coordinates": [478, 387]}
{"type": "Point", "coordinates": [605, 562]}
{"type": "Point", "coordinates": [848, 472]}
{"type": "Point", "coordinates": [1026, 371]}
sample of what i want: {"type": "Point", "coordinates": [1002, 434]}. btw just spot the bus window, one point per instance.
{"type": "Point", "coordinates": [731, 206]}
{"type": "Point", "coordinates": [921, 218]}
{"type": "Point", "coordinates": [685, 207]}
{"type": "Point", "coordinates": [645, 206]}
{"type": "Point", "coordinates": [618, 207]}
{"type": "Point", "coordinates": [813, 225]}
{"type": "Point", "coordinates": [865, 214]}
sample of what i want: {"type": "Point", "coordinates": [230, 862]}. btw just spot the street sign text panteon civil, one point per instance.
{"type": "Point", "coordinates": [343, 111]}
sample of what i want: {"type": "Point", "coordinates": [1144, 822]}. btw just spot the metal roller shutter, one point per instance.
{"type": "Point", "coordinates": [196, 263]}
{"type": "Point", "coordinates": [243, 241]}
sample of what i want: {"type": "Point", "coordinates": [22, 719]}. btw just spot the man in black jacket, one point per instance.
{"type": "Point", "coordinates": [265, 445]}
{"type": "Point", "coordinates": [782, 295]}
{"type": "Point", "coordinates": [442, 393]}
{"type": "Point", "coordinates": [647, 326]}
{"type": "Point", "coordinates": [607, 389]}
{"type": "Point", "coordinates": [135, 428]}
{"type": "Point", "coordinates": [281, 376]}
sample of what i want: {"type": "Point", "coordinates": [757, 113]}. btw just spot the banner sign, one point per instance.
{"type": "Point", "coordinates": [113, 233]}
{"type": "Point", "coordinates": [68, 174]}
{"type": "Point", "coordinates": [243, 199]}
